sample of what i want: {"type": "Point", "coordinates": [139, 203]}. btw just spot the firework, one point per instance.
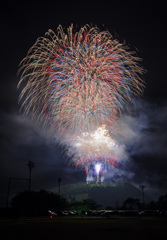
{"type": "Point", "coordinates": [96, 151]}
{"type": "Point", "coordinates": [96, 148]}
{"type": "Point", "coordinates": [76, 85]}
{"type": "Point", "coordinates": [78, 81]}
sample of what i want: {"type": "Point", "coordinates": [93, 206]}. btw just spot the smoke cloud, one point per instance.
{"type": "Point", "coordinates": [143, 161]}
{"type": "Point", "coordinates": [145, 130]}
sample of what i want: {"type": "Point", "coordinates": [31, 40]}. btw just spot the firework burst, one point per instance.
{"type": "Point", "coordinates": [76, 82]}
{"type": "Point", "coordinates": [94, 147]}
{"type": "Point", "coordinates": [76, 85]}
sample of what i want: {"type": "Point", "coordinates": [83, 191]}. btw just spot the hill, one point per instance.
{"type": "Point", "coordinates": [106, 194]}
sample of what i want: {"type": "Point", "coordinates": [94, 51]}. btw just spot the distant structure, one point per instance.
{"type": "Point", "coordinates": [31, 165]}
{"type": "Point", "coordinates": [142, 187]}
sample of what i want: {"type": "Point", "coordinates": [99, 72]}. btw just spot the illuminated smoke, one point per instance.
{"type": "Point", "coordinates": [76, 86]}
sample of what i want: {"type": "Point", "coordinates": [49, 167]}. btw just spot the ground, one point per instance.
{"type": "Point", "coordinates": [84, 228]}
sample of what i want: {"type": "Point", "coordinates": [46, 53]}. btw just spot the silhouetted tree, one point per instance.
{"type": "Point", "coordinates": [85, 205]}
{"type": "Point", "coordinates": [151, 206]}
{"type": "Point", "coordinates": [162, 202]}
{"type": "Point", "coordinates": [90, 204]}
{"type": "Point", "coordinates": [131, 204]}
{"type": "Point", "coordinates": [38, 203]}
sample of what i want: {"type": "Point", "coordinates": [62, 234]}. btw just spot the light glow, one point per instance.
{"type": "Point", "coordinates": [76, 85]}
{"type": "Point", "coordinates": [97, 168]}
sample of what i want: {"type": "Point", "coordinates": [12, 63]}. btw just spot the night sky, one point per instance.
{"type": "Point", "coordinates": [143, 27]}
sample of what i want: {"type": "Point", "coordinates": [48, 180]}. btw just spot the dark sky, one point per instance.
{"type": "Point", "coordinates": [142, 26]}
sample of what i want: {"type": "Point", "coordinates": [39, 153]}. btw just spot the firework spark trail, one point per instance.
{"type": "Point", "coordinates": [78, 82]}
{"type": "Point", "coordinates": [96, 146]}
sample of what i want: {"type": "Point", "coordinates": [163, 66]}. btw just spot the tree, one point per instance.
{"type": "Point", "coordinates": [131, 204]}
{"type": "Point", "coordinates": [90, 204]}
{"type": "Point", "coordinates": [85, 205]}
{"type": "Point", "coordinates": [38, 203]}
{"type": "Point", "coordinates": [162, 202]}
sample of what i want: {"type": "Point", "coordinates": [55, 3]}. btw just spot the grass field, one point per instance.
{"type": "Point", "coordinates": [84, 228]}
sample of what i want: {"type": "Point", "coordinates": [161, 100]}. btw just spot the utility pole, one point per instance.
{"type": "Point", "coordinates": [7, 201]}
{"type": "Point", "coordinates": [59, 181]}
{"type": "Point", "coordinates": [30, 165]}
{"type": "Point", "coordinates": [142, 191]}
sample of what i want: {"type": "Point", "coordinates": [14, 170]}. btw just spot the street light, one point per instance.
{"type": "Point", "coordinates": [59, 181]}
{"type": "Point", "coordinates": [142, 191]}
{"type": "Point", "coordinates": [30, 165]}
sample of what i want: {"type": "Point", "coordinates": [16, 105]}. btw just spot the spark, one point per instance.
{"type": "Point", "coordinates": [98, 167]}
{"type": "Point", "coordinates": [76, 81]}
{"type": "Point", "coordinates": [95, 146]}
{"type": "Point", "coordinates": [76, 85]}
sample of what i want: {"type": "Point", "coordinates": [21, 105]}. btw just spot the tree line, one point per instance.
{"type": "Point", "coordinates": [31, 203]}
